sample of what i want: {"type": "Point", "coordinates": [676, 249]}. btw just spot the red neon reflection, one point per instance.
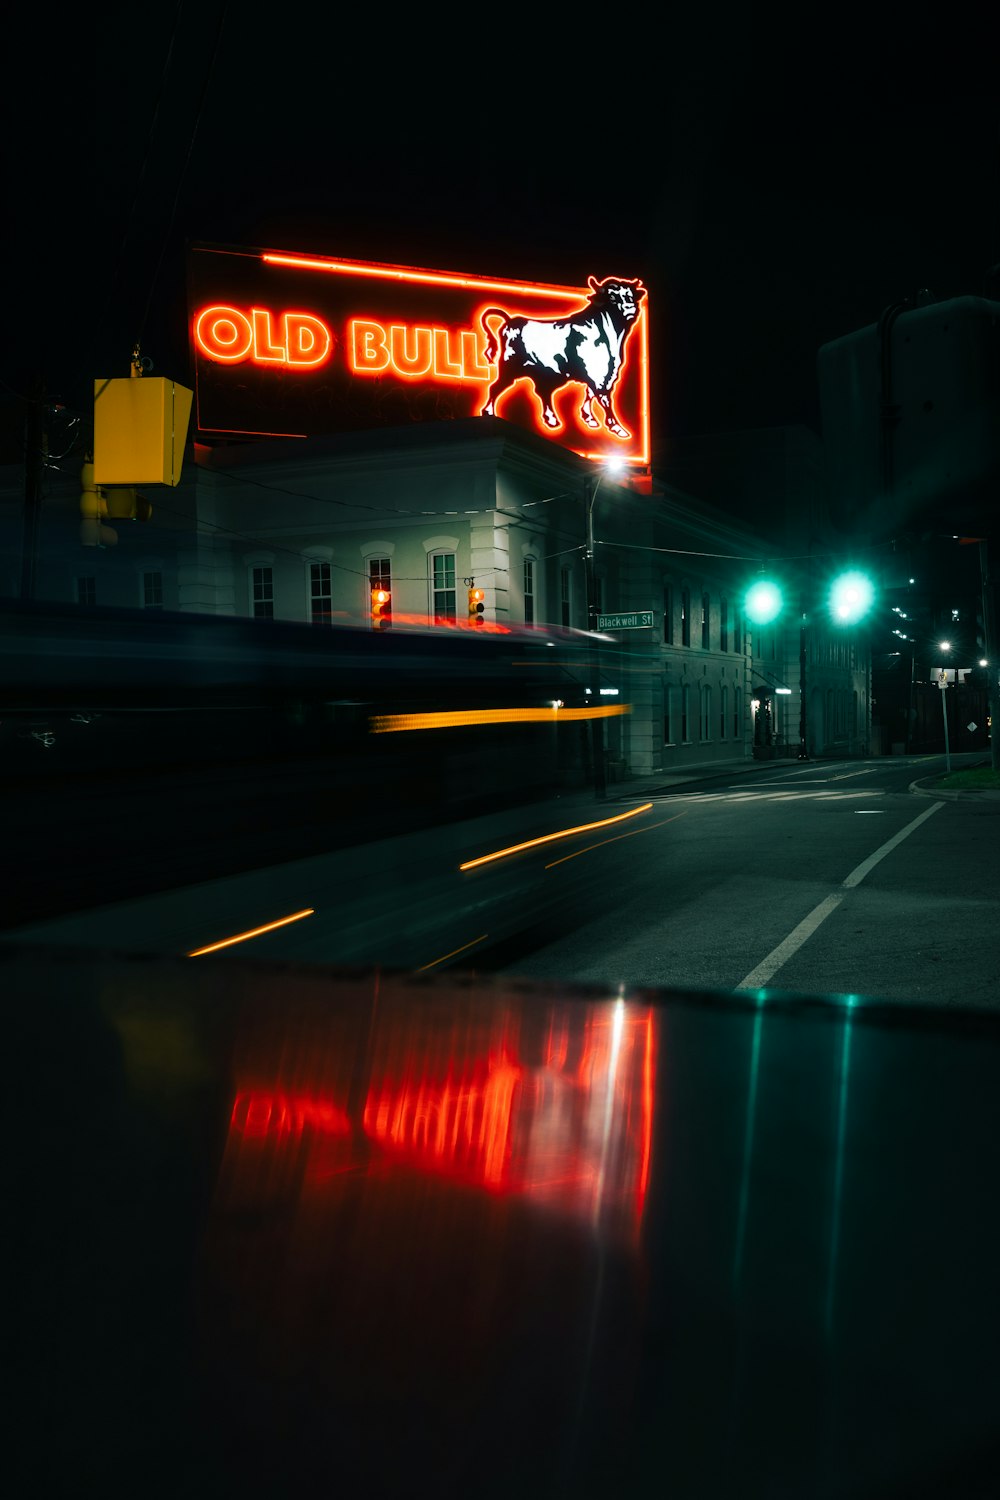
{"type": "Point", "coordinates": [575, 1132]}
{"type": "Point", "coordinates": [571, 1131]}
{"type": "Point", "coordinates": [297, 339]}
{"type": "Point", "coordinates": [258, 1114]}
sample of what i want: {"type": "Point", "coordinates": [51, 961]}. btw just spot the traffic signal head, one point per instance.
{"type": "Point", "coordinates": [763, 602]}
{"type": "Point", "coordinates": [94, 510]}
{"type": "Point", "coordinates": [851, 597]}
{"type": "Point", "coordinates": [477, 606]}
{"type": "Point", "coordinates": [381, 608]}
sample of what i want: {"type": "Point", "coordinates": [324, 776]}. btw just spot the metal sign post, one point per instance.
{"type": "Point", "coordinates": [943, 685]}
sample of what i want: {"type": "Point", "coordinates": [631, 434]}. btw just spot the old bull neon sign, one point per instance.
{"type": "Point", "coordinates": [301, 346]}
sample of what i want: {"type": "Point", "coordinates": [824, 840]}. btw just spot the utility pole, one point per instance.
{"type": "Point", "coordinates": [803, 738]}
{"type": "Point", "coordinates": [591, 485]}
{"type": "Point", "coordinates": [991, 644]}
{"type": "Point", "coordinates": [34, 465]}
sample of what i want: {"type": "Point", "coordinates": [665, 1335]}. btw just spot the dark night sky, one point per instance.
{"type": "Point", "coordinates": [775, 186]}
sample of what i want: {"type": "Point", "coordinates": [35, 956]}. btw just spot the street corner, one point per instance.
{"type": "Point", "coordinates": [928, 786]}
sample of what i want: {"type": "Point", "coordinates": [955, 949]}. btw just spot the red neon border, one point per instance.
{"type": "Point", "coordinates": [485, 283]}
{"type": "Point", "coordinates": [386, 272]}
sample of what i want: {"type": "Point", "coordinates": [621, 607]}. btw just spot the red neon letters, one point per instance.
{"type": "Point", "coordinates": [414, 353]}
{"type": "Point", "coordinates": [303, 341]}
{"type": "Point", "coordinates": [297, 339]}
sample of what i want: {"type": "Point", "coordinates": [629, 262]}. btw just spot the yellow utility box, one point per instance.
{"type": "Point", "coordinates": [140, 428]}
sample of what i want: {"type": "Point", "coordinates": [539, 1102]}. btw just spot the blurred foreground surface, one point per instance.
{"type": "Point", "coordinates": [283, 1230]}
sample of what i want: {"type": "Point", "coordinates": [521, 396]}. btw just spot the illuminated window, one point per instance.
{"type": "Point", "coordinates": [685, 619]}
{"type": "Point", "coordinates": [685, 706]}
{"type": "Point", "coordinates": [723, 710]}
{"type": "Point", "coordinates": [529, 590]}
{"type": "Point", "coordinates": [320, 594]}
{"type": "Point", "coordinates": [262, 586]}
{"type": "Point", "coordinates": [705, 728]}
{"type": "Point", "coordinates": [723, 624]}
{"type": "Point", "coordinates": [705, 617]}
{"type": "Point", "coordinates": [443, 586]}
{"type": "Point", "coordinates": [152, 590]}
{"type": "Point", "coordinates": [566, 597]}
{"type": "Point", "coordinates": [668, 615]}
{"type": "Point", "coordinates": [86, 591]}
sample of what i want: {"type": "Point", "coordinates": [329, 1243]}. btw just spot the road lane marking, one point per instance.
{"type": "Point", "coordinates": [856, 876]}
{"type": "Point", "coordinates": [547, 838]}
{"type": "Point", "coordinates": [241, 937]}
{"type": "Point", "coordinates": [601, 842]}
{"type": "Point", "coordinates": [769, 966]}
{"type": "Point", "coordinates": [435, 961]}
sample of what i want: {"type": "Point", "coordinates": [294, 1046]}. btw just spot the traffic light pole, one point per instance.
{"type": "Point", "coordinates": [803, 738]}
{"type": "Point", "coordinates": [592, 484]}
{"type": "Point", "coordinates": [991, 644]}
{"type": "Point", "coordinates": [34, 465]}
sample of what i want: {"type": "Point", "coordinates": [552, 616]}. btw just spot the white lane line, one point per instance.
{"type": "Point", "coordinates": [768, 967]}
{"type": "Point", "coordinates": [867, 865]}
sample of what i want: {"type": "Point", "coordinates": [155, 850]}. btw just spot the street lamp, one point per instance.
{"type": "Point", "coordinates": [592, 485]}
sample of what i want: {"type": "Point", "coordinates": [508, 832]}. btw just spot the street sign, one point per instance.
{"type": "Point", "coordinates": [641, 619]}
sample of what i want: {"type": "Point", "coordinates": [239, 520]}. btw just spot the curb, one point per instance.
{"type": "Point", "coordinates": [948, 794]}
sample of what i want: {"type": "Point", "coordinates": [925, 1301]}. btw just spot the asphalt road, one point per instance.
{"type": "Point", "coordinates": [829, 878]}
{"type": "Point", "coordinates": [741, 883]}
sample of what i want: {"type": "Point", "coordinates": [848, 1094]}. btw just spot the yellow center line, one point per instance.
{"type": "Point", "coordinates": [547, 838]}
{"type": "Point", "coordinates": [241, 937]}
{"type": "Point", "coordinates": [630, 835]}
{"type": "Point", "coordinates": [441, 960]}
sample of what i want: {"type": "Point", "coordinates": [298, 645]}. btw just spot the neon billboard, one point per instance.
{"type": "Point", "coordinates": [302, 346]}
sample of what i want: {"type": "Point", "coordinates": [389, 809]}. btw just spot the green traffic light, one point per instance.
{"type": "Point", "coordinates": [851, 597]}
{"type": "Point", "coordinates": [763, 602]}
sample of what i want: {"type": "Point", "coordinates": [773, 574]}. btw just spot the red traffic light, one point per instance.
{"type": "Point", "coordinates": [381, 609]}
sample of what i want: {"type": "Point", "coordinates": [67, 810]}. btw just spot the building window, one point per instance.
{"type": "Point", "coordinates": [685, 706]}
{"type": "Point", "coordinates": [736, 713]}
{"type": "Point", "coordinates": [566, 598]}
{"type": "Point", "coordinates": [263, 594]}
{"type": "Point", "coordinates": [685, 619]}
{"type": "Point", "coordinates": [152, 590]}
{"type": "Point", "coordinates": [705, 732]}
{"type": "Point", "coordinates": [668, 704]}
{"type": "Point", "coordinates": [529, 591]}
{"type": "Point", "coordinates": [443, 586]}
{"type": "Point", "coordinates": [668, 615]}
{"type": "Point", "coordinates": [86, 591]}
{"type": "Point", "coordinates": [705, 615]}
{"type": "Point", "coordinates": [723, 624]}
{"type": "Point", "coordinates": [723, 710]}
{"type": "Point", "coordinates": [320, 594]}
{"type": "Point", "coordinates": [737, 633]}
